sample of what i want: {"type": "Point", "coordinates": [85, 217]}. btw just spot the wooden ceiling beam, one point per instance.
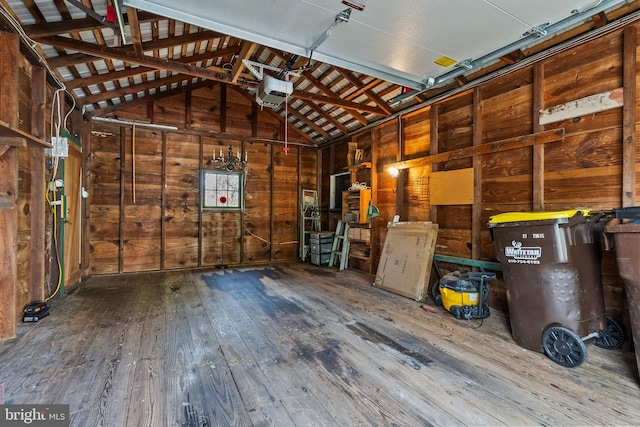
{"type": "Point", "coordinates": [101, 112]}
{"type": "Point", "coordinates": [136, 37]}
{"type": "Point", "coordinates": [128, 72]}
{"type": "Point", "coordinates": [334, 100]}
{"type": "Point", "coordinates": [82, 58]}
{"type": "Point", "coordinates": [365, 90]}
{"type": "Point", "coordinates": [130, 56]}
{"type": "Point", "coordinates": [275, 114]}
{"type": "Point", "coordinates": [184, 39]}
{"type": "Point", "coordinates": [308, 122]}
{"type": "Point", "coordinates": [117, 93]}
{"type": "Point", "coordinates": [49, 29]}
{"type": "Point", "coordinates": [245, 53]}
{"type": "Point", "coordinates": [328, 117]}
{"type": "Point", "coordinates": [513, 57]}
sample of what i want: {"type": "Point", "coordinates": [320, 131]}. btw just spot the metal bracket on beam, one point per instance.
{"type": "Point", "coordinates": [540, 31]}
{"type": "Point", "coordinates": [341, 17]}
{"type": "Point", "coordinates": [257, 69]}
{"type": "Point", "coordinates": [467, 64]}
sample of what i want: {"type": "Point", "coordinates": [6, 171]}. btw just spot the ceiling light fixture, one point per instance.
{"type": "Point", "coordinates": [230, 162]}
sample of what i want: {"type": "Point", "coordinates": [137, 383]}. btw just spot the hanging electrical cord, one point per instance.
{"type": "Point", "coordinates": [286, 119]}
{"type": "Point", "coordinates": [55, 245]}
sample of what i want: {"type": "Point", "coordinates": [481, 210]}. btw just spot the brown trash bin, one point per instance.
{"type": "Point", "coordinates": [623, 234]}
{"type": "Point", "coordinates": [551, 268]}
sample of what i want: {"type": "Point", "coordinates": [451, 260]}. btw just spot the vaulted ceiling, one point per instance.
{"type": "Point", "coordinates": [348, 71]}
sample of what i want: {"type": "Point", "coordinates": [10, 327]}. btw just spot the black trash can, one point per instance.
{"type": "Point", "coordinates": [551, 268]}
{"type": "Point", "coordinates": [623, 235]}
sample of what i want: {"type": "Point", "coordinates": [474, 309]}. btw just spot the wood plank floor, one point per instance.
{"type": "Point", "coordinates": [295, 345]}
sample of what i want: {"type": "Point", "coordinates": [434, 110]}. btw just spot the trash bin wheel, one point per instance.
{"type": "Point", "coordinates": [435, 293]}
{"type": "Point", "coordinates": [564, 347]}
{"type": "Point", "coordinates": [612, 336]}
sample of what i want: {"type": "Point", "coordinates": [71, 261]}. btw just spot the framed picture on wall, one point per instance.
{"type": "Point", "coordinates": [221, 190]}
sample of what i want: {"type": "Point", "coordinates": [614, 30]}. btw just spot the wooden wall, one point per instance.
{"type": "Point", "coordinates": [25, 220]}
{"type": "Point", "coordinates": [595, 164]}
{"type": "Point", "coordinates": [165, 228]}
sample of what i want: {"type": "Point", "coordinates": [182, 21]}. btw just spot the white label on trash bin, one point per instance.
{"type": "Point", "coordinates": [518, 254]}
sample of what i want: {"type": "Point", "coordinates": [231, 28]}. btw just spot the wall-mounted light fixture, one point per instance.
{"type": "Point", "coordinates": [394, 172]}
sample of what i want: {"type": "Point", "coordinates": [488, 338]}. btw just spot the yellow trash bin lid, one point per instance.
{"type": "Point", "coordinates": [535, 216]}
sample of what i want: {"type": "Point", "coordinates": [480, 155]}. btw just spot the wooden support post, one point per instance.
{"type": "Point", "coordinates": [223, 108]}
{"type": "Point", "coordinates": [272, 168]}
{"type": "Point", "coordinates": [9, 52]}
{"type": "Point", "coordinates": [123, 164]}
{"type": "Point", "coordinates": [629, 165]}
{"type": "Point", "coordinates": [476, 209]}
{"type": "Point", "coordinates": [9, 245]}
{"type": "Point", "coordinates": [163, 227]}
{"type": "Point", "coordinates": [87, 148]}
{"type": "Point", "coordinates": [538, 150]}
{"type": "Point", "coordinates": [375, 241]}
{"type": "Point", "coordinates": [150, 111]}
{"type": "Point", "coordinates": [433, 144]}
{"type": "Point", "coordinates": [187, 109]}
{"type": "Point", "coordinates": [199, 202]}
{"type": "Point", "coordinates": [402, 208]}
{"type": "Point", "coordinates": [37, 203]}
{"type": "Point", "coordinates": [133, 162]}
{"type": "Point", "coordinates": [254, 119]}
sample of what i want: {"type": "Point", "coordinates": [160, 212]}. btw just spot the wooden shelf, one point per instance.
{"type": "Point", "coordinates": [17, 138]}
{"type": "Point", "coordinates": [363, 165]}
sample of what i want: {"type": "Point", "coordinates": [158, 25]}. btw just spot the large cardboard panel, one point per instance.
{"type": "Point", "coordinates": [406, 258]}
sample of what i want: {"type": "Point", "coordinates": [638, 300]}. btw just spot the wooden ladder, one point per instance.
{"type": "Point", "coordinates": [340, 247]}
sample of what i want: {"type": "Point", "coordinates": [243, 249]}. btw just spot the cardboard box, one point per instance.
{"type": "Point", "coordinates": [406, 259]}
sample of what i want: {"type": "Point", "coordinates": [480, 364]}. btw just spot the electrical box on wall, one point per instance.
{"type": "Point", "coordinates": [59, 147]}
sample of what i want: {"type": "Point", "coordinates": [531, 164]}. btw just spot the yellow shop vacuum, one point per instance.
{"type": "Point", "coordinates": [464, 294]}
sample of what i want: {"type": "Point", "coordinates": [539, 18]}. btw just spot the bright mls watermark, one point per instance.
{"type": "Point", "coordinates": [34, 415]}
